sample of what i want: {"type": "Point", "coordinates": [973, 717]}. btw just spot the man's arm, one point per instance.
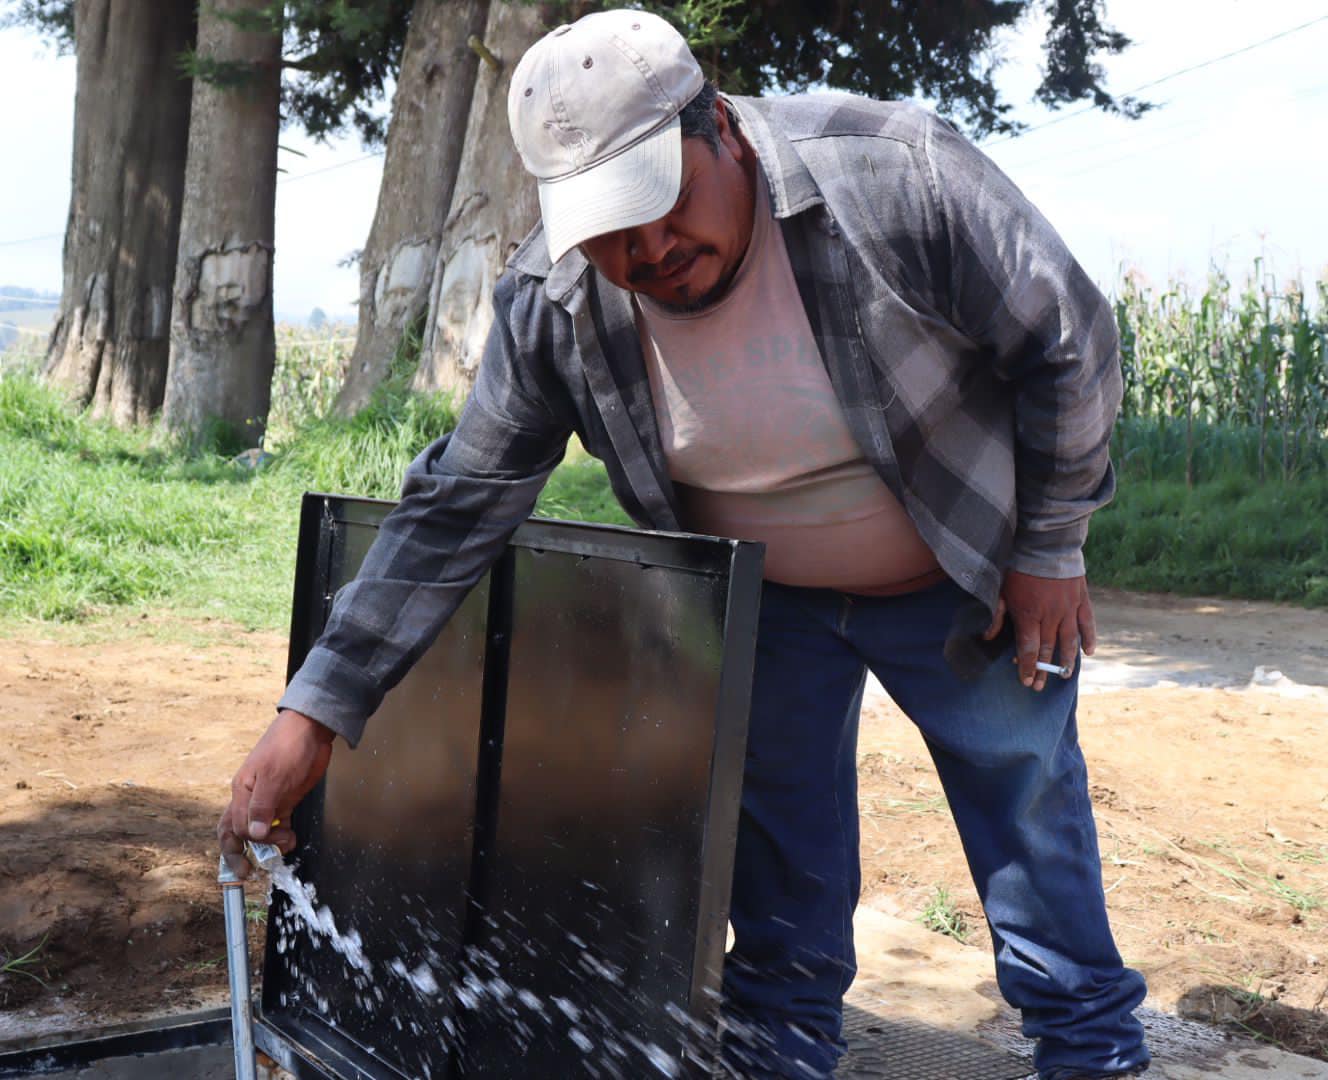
{"type": "Point", "coordinates": [462, 499]}
{"type": "Point", "coordinates": [1016, 290]}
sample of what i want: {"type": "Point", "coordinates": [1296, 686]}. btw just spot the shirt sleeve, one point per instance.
{"type": "Point", "coordinates": [1018, 293]}
{"type": "Point", "coordinates": [461, 500]}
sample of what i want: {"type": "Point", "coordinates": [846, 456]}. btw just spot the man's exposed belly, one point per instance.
{"type": "Point", "coordinates": [840, 528]}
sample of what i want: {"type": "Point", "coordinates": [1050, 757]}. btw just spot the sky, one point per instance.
{"type": "Point", "coordinates": [1228, 169]}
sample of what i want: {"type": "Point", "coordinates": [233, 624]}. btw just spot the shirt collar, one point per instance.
{"type": "Point", "coordinates": [792, 188]}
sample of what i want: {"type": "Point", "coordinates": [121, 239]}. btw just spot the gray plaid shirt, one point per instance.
{"type": "Point", "coordinates": [975, 362]}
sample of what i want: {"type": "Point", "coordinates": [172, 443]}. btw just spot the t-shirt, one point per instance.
{"type": "Point", "coordinates": [756, 442]}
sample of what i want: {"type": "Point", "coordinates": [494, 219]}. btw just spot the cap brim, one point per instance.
{"type": "Point", "coordinates": [631, 188]}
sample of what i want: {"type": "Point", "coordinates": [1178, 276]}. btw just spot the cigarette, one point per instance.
{"type": "Point", "coordinates": [1053, 669]}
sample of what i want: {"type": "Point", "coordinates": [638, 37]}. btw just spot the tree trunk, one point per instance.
{"type": "Point", "coordinates": [424, 142]}
{"type": "Point", "coordinates": [494, 205]}
{"type": "Point", "coordinates": [222, 346]}
{"type": "Point", "coordinates": [131, 129]}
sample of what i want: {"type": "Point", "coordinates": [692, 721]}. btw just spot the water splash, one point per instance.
{"type": "Point", "coordinates": [481, 986]}
{"type": "Point", "coordinates": [320, 920]}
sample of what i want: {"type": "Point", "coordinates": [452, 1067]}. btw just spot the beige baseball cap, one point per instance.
{"type": "Point", "coordinates": [594, 108]}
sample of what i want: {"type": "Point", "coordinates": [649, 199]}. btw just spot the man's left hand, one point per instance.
{"type": "Point", "coordinates": [1052, 617]}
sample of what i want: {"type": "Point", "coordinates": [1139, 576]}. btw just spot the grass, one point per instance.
{"type": "Point", "coordinates": [934, 804]}
{"type": "Point", "coordinates": [1314, 856]}
{"type": "Point", "coordinates": [1246, 1011]}
{"type": "Point", "coordinates": [1222, 445]}
{"type": "Point", "coordinates": [942, 916]}
{"type": "Point", "coordinates": [1221, 452]}
{"type": "Point", "coordinates": [1253, 884]}
{"type": "Point", "coordinates": [23, 965]}
{"type": "Point", "coordinates": [94, 519]}
{"type": "Point", "coordinates": [1227, 536]}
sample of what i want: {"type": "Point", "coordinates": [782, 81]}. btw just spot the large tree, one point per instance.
{"type": "Point", "coordinates": [131, 126]}
{"type": "Point", "coordinates": [424, 147]}
{"type": "Point", "coordinates": [222, 344]}
{"type": "Point", "coordinates": [339, 54]}
{"type": "Point", "coordinates": [337, 57]}
{"type": "Point", "coordinates": [137, 63]}
{"type": "Point", "coordinates": [493, 205]}
{"type": "Point", "coordinates": [945, 51]}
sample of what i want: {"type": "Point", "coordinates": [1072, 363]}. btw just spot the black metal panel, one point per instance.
{"type": "Point", "coordinates": [597, 884]}
{"type": "Point", "coordinates": [570, 750]}
{"type": "Point", "coordinates": [386, 839]}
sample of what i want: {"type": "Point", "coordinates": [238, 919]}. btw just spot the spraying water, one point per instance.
{"type": "Point", "coordinates": [482, 989]}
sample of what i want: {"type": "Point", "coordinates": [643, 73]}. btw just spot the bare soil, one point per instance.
{"type": "Point", "coordinates": [1211, 795]}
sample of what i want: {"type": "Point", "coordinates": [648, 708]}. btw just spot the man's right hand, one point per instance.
{"type": "Point", "coordinates": [280, 770]}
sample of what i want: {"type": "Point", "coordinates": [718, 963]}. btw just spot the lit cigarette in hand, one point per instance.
{"type": "Point", "coordinates": [1053, 669]}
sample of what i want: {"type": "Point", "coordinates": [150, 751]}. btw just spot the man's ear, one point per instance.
{"type": "Point", "coordinates": [728, 134]}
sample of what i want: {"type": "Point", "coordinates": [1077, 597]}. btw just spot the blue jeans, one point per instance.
{"type": "Point", "coordinates": [1010, 764]}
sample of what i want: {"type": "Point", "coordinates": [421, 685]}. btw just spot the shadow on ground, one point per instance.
{"type": "Point", "coordinates": [1298, 1031]}
{"type": "Point", "coordinates": [113, 897]}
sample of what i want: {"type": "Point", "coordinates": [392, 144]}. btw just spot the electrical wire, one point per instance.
{"type": "Point", "coordinates": [1097, 165]}
{"type": "Point", "coordinates": [39, 301]}
{"type": "Point", "coordinates": [1161, 79]}
{"type": "Point", "coordinates": [32, 239]}
{"type": "Point", "coordinates": [329, 168]}
{"type": "Point", "coordinates": [1125, 140]}
{"type": "Point", "coordinates": [1143, 132]}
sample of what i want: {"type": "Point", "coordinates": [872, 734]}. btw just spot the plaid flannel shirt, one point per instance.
{"type": "Point", "coordinates": [975, 361]}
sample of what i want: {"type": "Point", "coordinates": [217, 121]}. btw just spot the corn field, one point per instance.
{"type": "Point", "coordinates": [1224, 381]}
{"type": "Point", "coordinates": [311, 366]}
{"type": "Point", "coordinates": [1220, 383]}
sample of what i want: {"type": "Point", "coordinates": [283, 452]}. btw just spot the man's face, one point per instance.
{"type": "Point", "coordinates": [686, 259]}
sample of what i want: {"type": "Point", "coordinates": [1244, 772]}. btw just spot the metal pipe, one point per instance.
{"type": "Point", "coordinates": [237, 964]}
{"type": "Point", "coordinates": [266, 857]}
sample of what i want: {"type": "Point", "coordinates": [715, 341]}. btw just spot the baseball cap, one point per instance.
{"type": "Point", "coordinates": [593, 108]}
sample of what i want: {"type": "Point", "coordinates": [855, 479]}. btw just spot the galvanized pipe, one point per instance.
{"type": "Point", "coordinates": [237, 956]}
{"type": "Point", "coordinates": [237, 964]}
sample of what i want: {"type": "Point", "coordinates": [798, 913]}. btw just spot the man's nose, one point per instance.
{"type": "Point", "coordinates": [650, 243]}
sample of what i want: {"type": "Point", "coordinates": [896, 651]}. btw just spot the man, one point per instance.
{"type": "Point", "coordinates": [831, 325]}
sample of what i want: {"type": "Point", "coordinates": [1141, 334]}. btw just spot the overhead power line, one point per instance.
{"type": "Point", "coordinates": [1193, 129]}
{"type": "Point", "coordinates": [38, 301]}
{"type": "Point", "coordinates": [31, 239]}
{"type": "Point", "coordinates": [1163, 78]}
{"type": "Point", "coordinates": [329, 168]}
{"type": "Point", "coordinates": [1097, 166]}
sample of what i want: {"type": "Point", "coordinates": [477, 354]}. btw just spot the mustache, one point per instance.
{"type": "Point", "coordinates": [644, 273]}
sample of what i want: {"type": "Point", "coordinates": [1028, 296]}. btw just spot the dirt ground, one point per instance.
{"type": "Point", "coordinates": [1211, 793]}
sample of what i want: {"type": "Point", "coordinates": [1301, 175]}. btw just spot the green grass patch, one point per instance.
{"type": "Point", "coordinates": [94, 519]}
{"type": "Point", "coordinates": [1227, 535]}
{"type": "Point", "coordinates": [27, 965]}
{"type": "Point", "coordinates": [942, 916]}
{"type": "Point", "coordinates": [579, 490]}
